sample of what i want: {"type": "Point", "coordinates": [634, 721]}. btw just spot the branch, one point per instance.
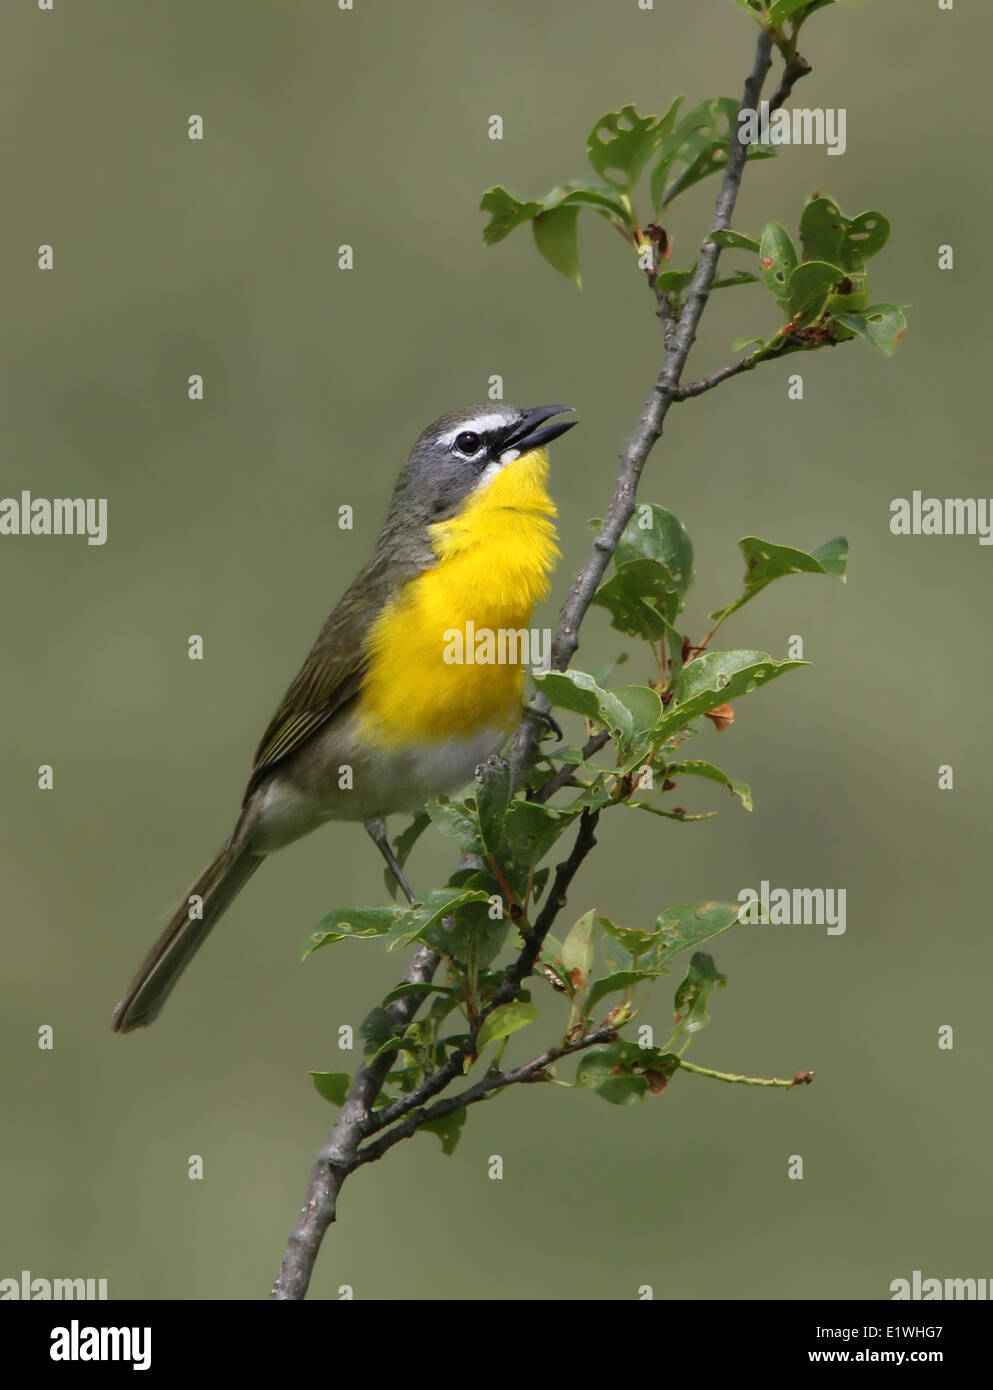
{"type": "Point", "coordinates": [491, 1082]}
{"type": "Point", "coordinates": [358, 1119]}
{"type": "Point", "coordinates": [649, 430]}
{"type": "Point", "coordinates": [332, 1164]}
{"type": "Point", "coordinates": [341, 1154]}
{"type": "Point", "coordinates": [707, 383]}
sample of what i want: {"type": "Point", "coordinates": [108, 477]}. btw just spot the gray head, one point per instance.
{"type": "Point", "coordinates": [465, 450]}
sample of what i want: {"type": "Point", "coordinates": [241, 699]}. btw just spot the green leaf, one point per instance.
{"type": "Point", "coordinates": [736, 277]}
{"type": "Point", "coordinates": [332, 1085]}
{"type": "Point", "coordinates": [778, 257]}
{"type": "Point", "coordinates": [694, 767]}
{"type": "Point", "coordinates": [866, 235]}
{"type": "Point", "coordinates": [458, 823]}
{"type": "Point", "coordinates": [644, 706]}
{"type": "Point", "coordinates": [597, 196]}
{"type": "Point", "coordinates": [406, 841]}
{"type": "Point", "coordinates": [691, 997]}
{"type": "Point", "coordinates": [739, 344]}
{"type": "Point", "coordinates": [675, 281]}
{"type": "Point", "coordinates": [823, 229]}
{"type": "Point", "coordinates": [448, 1129]}
{"type": "Point", "coordinates": [701, 143]}
{"type": "Point", "coordinates": [622, 1072]}
{"type": "Point", "coordinates": [641, 597]}
{"type": "Point", "coordinates": [555, 238]}
{"type": "Point", "coordinates": [351, 921]}
{"type": "Point", "coordinates": [601, 1069]}
{"type": "Point", "coordinates": [620, 980]}
{"type": "Point", "coordinates": [780, 10]}
{"type": "Point", "coordinates": [807, 291]}
{"type": "Point", "coordinates": [633, 941]}
{"type": "Point", "coordinates": [578, 952]}
{"type": "Point", "coordinates": [416, 987]}
{"type": "Point", "coordinates": [683, 928]}
{"type": "Point", "coordinates": [851, 295]}
{"type": "Point", "coordinates": [506, 1020]}
{"type": "Point", "coordinates": [655, 534]}
{"type": "Point", "coordinates": [714, 678]}
{"type": "Point", "coordinates": [765, 562]}
{"type": "Point", "coordinates": [440, 903]}
{"type": "Point", "coordinates": [622, 142]}
{"type": "Point", "coordinates": [579, 692]}
{"type": "Point", "coordinates": [621, 1090]}
{"type": "Point", "coordinates": [492, 799]}
{"type": "Point", "coordinates": [736, 241]}
{"type": "Point", "coordinates": [402, 846]}
{"type": "Point", "coordinates": [882, 325]}
{"type": "Point", "coordinates": [531, 829]}
{"type": "Point", "coordinates": [506, 213]}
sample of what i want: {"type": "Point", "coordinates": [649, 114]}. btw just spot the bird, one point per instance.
{"type": "Point", "coordinates": [380, 718]}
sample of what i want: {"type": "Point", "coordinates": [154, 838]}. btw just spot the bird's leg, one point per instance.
{"type": "Point", "coordinates": [377, 832]}
{"type": "Point", "coordinates": [546, 719]}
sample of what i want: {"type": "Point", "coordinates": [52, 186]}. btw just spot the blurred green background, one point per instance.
{"type": "Point", "coordinates": [172, 257]}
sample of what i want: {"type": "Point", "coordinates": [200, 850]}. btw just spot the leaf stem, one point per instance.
{"type": "Point", "coordinates": [801, 1078]}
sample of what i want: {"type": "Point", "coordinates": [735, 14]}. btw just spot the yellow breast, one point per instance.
{"type": "Point", "coordinates": [494, 561]}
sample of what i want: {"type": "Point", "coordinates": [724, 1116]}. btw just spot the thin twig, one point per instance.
{"type": "Point", "coordinates": [707, 383]}
{"type": "Point", "coordinates": [491, 1082]}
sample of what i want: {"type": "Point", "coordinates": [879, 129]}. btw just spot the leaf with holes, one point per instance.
{"type": "Point", "coordinates": [506, 213]}
{"type": "Point", "coordinates": [778, 258]}
{"type": "Point", "coordinates": [694, 767]}
{"type": "Point", "coordinates": [351, 921]}
{"type": "Point", "coordinates": [866, 235]}
{"type": "Point", "coordinates": [823, 229]}
{"type": "Point", "coordinates": [622, 142]}
{"type": "Point", "coordinates": [714, 679]}
{"type": "Point", "coordinates": [411, 925]}
{"type": "Point", "coordinates": [691, 997]}
{"type": "Point", "coordinates": [578, 951]}
{"type": "Point", "coordinates": [579, 692]}
{"type": "Point", "coordinates": [492, 781]}
{"type": "Point", "coordinates": [724, 237]}
{"type": "Point", "coordinates": [882, 325]}
{"type": "Point", "coordinates": [765, 562]}
{"type": "Point", "coordinates": [641, 598]}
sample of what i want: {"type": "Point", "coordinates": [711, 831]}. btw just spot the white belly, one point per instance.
{"type": "Point", "coordinates": [377, 783]}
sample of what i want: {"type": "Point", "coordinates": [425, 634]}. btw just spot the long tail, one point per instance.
{"type": "Point", "coordinates": [217, 886]}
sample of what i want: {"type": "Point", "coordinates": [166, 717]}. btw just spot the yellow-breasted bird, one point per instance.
{"type": "Point", "coordinates": [469, 537]}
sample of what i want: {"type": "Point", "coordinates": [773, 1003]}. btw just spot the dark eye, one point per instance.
{"type": "Point", "coordinates": [467, 442]}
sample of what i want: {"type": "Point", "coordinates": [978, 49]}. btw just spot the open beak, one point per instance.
{"type": "Point", "coordinates": [532, 431]}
